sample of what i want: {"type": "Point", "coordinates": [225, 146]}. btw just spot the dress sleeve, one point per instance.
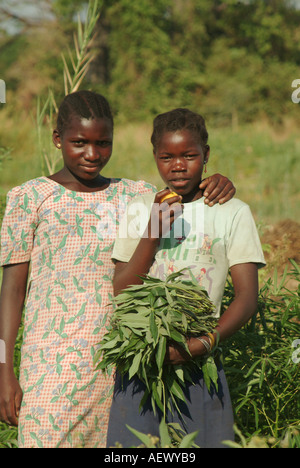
{"type": "Point", "coordinates": [18, 226]}
{"type": "Point", "coordinates": [244, 244]}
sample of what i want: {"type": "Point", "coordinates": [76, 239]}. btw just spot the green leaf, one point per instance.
{"type": "Point", "coordinates": [161, 352]}
{"type": "Point", "coordinates": [188, 440]}
{"type": "Point", "coordinates": [153, 326]}
{"type": "Point", "coordinates": [142, 437]}
{"type": "Point", "coordinates": [177, 390]}
{"type": "Point", "coordinates": [176, 336]}
{"type": "Point", "coordinates": [156, 396]}
{"type": "Point", "coordinates": [165, 438]}
{"type": "Point", "coordinates": [135, 365]}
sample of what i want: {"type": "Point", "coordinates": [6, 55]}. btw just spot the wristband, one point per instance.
{"type": "Point", "coordinates": [212, 340]}
{"type": "Point", "coordinates": [205, 343]}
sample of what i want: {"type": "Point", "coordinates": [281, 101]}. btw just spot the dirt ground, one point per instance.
{"type": "Point", "coordinates": [282, 241]}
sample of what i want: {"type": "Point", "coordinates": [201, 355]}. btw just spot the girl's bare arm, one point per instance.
{"type": "Point", "coordinates": [12, 298]}
{"type": "Point", "coordinates": [242, 308]}
{"type": "Point", "coordinates": [129, 273]}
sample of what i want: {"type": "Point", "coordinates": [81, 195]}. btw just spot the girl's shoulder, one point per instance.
{"type": "Point", "coordinates": [229, 208]}
{"type": "Point", "coordinates": [228, 214]}
{"type": "Point", "coordinates": [133, 187]}
{"type": "Point", "coordinates": [31, 192]}
{"type": "Point", "coordinates": [39, 184]}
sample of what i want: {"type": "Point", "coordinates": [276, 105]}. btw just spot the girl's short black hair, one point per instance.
{"type": "Point", "coordinates": [82, 104]}
{"type": "Point", "coordinates": [179, 119]}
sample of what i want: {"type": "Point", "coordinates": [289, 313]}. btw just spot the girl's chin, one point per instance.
{"type": "Point", "coordinates": [179, 187]}
{"type": "Point", "coordinates": [183, 190]}
{"type": "Point", "coordinates": [189, 195]}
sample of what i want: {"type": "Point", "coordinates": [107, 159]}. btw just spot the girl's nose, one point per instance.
{"type": "Point", "coordinates": [91, 153]}
{"type": "Point", "coordinates": [179, 165]}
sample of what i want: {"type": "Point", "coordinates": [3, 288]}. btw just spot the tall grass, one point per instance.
{"type": "Point", "coordinates": [264, 170]}
{"type": "Point", "coordinates": [75, 68]}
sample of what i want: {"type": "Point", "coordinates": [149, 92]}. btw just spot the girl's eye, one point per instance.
{"type": "Point", "coordinates": [104, 144]}
{"type": "Point", "coordinates": [190, 156]}
{"type": "Point", "coordinates": [165, 158]}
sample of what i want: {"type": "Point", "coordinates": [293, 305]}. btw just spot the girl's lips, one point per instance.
{"type": "Point", "coordinates": [179, 183]}
{"type": "Point", "coordinates": [91, 168]}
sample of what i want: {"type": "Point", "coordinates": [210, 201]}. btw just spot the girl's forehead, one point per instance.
{"type": "Point", "coordinates": [78, 123]}
{"type": "Point", "coordinates": [177, 137]}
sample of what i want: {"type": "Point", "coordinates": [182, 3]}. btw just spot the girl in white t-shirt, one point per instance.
{"type": "Point", "coordinates": [206, 241]}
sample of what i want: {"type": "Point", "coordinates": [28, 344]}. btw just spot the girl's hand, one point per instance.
{"type": "Point", "coordinates": [177, 355]}
{"type": "Point", "coordinates": [163, 214]}
{"type": "Point", "coordinates": [10, 397]}
{"type": "Point", "coordinates": [217, 189]}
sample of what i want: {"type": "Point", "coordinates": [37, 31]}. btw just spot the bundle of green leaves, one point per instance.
{"type": "Point", "coordinates": [148, 317]}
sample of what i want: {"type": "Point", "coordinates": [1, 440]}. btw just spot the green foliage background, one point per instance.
{"type": "Point", "coordinates": [232, 61]}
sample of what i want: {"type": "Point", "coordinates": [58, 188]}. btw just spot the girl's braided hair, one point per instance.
{"type": "Point", "coordinates": [82, 104]}
{"type": "Point", "coordinates": [179, 119]}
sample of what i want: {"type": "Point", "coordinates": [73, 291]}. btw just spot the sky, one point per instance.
{"type": "Point", "coordinates": [27, 9]}
{"type": "Point", "coordinates": [33, 9]}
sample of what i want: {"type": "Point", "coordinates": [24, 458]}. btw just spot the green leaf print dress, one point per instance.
{"type": "Point", "coordinates": [68, 238]}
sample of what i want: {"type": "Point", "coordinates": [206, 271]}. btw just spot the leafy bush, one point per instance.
{"type": "Point", "coordinates": [261, 372]}
{"type": "Point", "coordinates": [2, 207]}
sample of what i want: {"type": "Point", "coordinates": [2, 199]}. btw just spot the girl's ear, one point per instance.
{"type": "Point", "coordinates": [56, 139]}
{"type": "Point", "coordinates": [206, 153]}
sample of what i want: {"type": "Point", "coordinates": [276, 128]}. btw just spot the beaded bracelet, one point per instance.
{"type": "Point", "coordinates": [212, 340]}
{"type": "Point", "coordinates": [206, 344]}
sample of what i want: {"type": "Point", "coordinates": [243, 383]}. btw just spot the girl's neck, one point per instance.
{"type": "Point", "coordinates": [196, 194]}
{"type": "Point", "coordinates": [76, 184]}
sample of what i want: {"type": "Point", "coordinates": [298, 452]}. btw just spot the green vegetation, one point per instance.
{"type": "Point", "coordinates": [261, 369]}
{"type": "Point", "coordinates": [263, 166]}
{"type": "Point", "coordinates": [147, 317]}
{"type": "Point", "coordinates": [234, 62]}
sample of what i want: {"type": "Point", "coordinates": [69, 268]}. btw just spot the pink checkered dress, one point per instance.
{"type": "Point", "coordinates": [68, 237]}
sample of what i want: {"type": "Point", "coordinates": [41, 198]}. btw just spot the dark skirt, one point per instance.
{"type": "Point", "coordinates": [210, 413]}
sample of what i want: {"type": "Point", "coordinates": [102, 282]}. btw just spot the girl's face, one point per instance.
{"type": "Point", "coordinates": [180, 159]}
{"type": "Point", "coordinates": [86, 146]}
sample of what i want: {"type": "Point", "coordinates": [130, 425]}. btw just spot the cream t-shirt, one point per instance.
{"type": "Point", "coordinates": [205, 241]}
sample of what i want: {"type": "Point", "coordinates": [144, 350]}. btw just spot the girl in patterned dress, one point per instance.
{"type": "Point", "coordinates": [56, 242]}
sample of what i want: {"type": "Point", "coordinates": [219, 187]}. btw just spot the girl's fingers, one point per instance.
{"type": "Point", "coordinates": [8, 415]}
{"type": "Point", "coordinates": [166, 196]}
{"type": "Point", "coordinates": [228, 196]}
{"type": "Point", "coordinates": [217, 195]}
{"type": "Point", "coordinates": [160, 195]}
{"type": "Point", "coordinates": [18, 401]}
{"type": "Point", "coordinates": [216, 192]}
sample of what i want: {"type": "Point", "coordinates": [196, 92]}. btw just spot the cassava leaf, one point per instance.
{"type": "Point", "coordinates": [146, 319]}
{"type": "Point", "coordinates": [135, 365]}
